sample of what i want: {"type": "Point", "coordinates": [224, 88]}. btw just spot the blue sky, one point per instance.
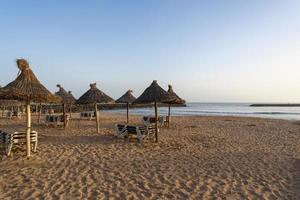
{"type": "Point", "coordinates": [210, 51]}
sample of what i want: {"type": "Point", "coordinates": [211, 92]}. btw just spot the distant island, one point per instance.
{"type": "Point", "coordinates": [276, 105]}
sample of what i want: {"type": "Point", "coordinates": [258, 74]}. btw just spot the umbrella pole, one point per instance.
{"type": "Point", "coordinates": [3, 111]}
{"type": "Point", "coordinates": [28, 113]}
{"type": "Point", "coordinates": [97, 118]}
{"type": "Point", "coordinates": [40, 113]}
{"type": "Point", "coordinates": [64, 114]}
{"type": "Point", "coordinates": [156, 119]}
{"type": "Point", "coordinates": [169, 115]}
{"type": "Point", "coordinates": [127, 112]}
{"type": "Point", "coordinates": [70, 111]}
{"type": "Point", "coordinates": [11, 111]}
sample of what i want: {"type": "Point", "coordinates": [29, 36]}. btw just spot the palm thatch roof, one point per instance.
{"type": "Point", "coordinates": [94, 95]}
{"type": "Point", "coordinates": [26, 87]}
{"type": "Point", "coordinates": [127, 98]}
{"type": "Point", "coordinates": [177, 99]}
{"type": "Point", "coordinates": [154, 93]}
{"type": "Point", "coordinates": [67, 97]}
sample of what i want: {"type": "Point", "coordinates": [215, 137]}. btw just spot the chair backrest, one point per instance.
{"type": "Point", "coordinates": [131, 129]}
{"type": "Point", "coordinates": [21, 136]}
{"type": "Point", "coordinates": [150, 129]}
{"type": "Point", "coordinates": [142, 129]}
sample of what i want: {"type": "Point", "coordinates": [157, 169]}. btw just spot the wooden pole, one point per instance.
{"type": "Point", "coordinates": [169, 115]}
{"type": "Point", "coordinates": [64, 114]}
{"type": "Point", "coordinates": [3, 112]}
{"type": "Point", "coordinates": [70, 111]}
{"type": "Point", "coordinates": [18, 111]}
{"type": "Point", "coordinates": [127, 112]}
{"type": "Point", "coordinates": [156, 120]}
{"type": "Point", "coordinates": [28, 113]}
{"type": "Point", "coordinates": [97, 118]}
{"type": "Point", "coordinates": [40, 113]}
{"type": "Point", "coordinates": [11, 112]}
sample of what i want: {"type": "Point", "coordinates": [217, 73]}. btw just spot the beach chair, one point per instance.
{"type": "Point", "coordinates": [150, 120]}
{"type": "Point", "coordinates": [17, 114]}
{"type": "Point", "coordinates": [56, 120]}
{"type": "Point", "coordinates": [88, 115]}
{"type": "Point", "coordinates": [2, 137]}
{"type": "Point", "coordinates": [141, 132]}
{"type": "Point", "coordinates": [20, 138]}
{"type": "Point", "coordinates": [8, 114]}
{"type": "Point", "coordinates": [121, 130]}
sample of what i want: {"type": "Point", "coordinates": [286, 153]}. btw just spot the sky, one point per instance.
{"type": "Point", "coordinates": [209, 50]}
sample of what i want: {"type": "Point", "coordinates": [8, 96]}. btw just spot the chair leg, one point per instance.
{"type": "Point", "coordinates": [35, 146]}
{"type": "Point", "coordinates": [8, 149]}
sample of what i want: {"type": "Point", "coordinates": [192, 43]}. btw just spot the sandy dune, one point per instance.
{"type": "Point", "coordinates": [197, 158]}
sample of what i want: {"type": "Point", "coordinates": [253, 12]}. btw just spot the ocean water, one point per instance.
{"type": "Point", "coordinates": [222, 109]}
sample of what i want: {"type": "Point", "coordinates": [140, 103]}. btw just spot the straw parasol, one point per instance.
{"type": "Point", "coordinates": [177, 100]}
{"type": "Point", "coordinates": [26, 87]}
{"type": "Point", "coordinates": [154, 94]}
{"type": "Point", "coordinates": [127, 98]}
{"type": "Point", "coordinates": [67, 99]}
{"type": "Point", "coordinates": [94, 96]}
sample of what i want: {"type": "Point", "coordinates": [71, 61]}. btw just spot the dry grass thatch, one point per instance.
{"type": "Point", "coordinates": [126, 98]}
{"type": "Point", "coordinates": [154, 93]}
{"type": "Point", "coordinates": [67, 97]}
{"type": "Point", "coordinates": [26, 87]}
{"type": "Point", "coordinates": [94, 95]}
{"type": "Point", "coordinates": [177, 99]}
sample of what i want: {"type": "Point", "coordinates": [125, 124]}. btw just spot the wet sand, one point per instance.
{"type": "Point", "coordinates": [197, 158]}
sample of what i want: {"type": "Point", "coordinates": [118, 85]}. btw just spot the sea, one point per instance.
{"type": "Point", "coordinates": [221, 109]}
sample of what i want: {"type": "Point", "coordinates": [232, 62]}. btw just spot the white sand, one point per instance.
{"type": "Point", "coordinates": [198, 158]}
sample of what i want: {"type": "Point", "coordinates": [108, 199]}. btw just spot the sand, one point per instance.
{"type": "Point", "coordinates": [197, 158]}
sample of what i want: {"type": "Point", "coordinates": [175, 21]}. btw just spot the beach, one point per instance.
{"type": "Point", "coordinates": [199, 157]}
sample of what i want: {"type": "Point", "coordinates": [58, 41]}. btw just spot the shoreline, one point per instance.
{"type": "Point", "coordinates": [275, 105]}
{"type": "Point", "coordinates": [120, 112]}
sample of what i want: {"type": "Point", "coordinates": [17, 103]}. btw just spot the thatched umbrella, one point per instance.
{"type": "Point", "coordinates": [94, 96]}
{"type": "Point", "coordinates": [67, 99]}
{"type": "Point", "coordinates": [154, 94]}
{"type": "Point", "coordinates": [127, 98]}
{"type": "Point", "coordinates": [26, 87]}
{"type": "Point", "coordinates": [177, 100]}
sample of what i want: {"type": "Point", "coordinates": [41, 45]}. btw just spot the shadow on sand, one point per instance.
{"type": "Point", "coordinates": [296, 181]}
{"type": "Point", "coordinates": [99, 139]}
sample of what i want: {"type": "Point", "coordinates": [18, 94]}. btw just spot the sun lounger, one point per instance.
{"type": "Point", "coordinates": [150, 120]}
{"type": "Point", "coordinates": [56, 120]}
{"type": "Point", "coordinates": [17, 114]}
{"type": "Point", "coordinates": [19, 138]}
{"type": "Point", "coordinates": [88, 115]}
{"type": "Point", "coordinates": [2, 137]}
{"type": "Point", "coordinates": [141, 132]}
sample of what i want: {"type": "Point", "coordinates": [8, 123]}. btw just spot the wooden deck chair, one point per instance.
{"type": "Point", "coordinates": [20, 138]}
